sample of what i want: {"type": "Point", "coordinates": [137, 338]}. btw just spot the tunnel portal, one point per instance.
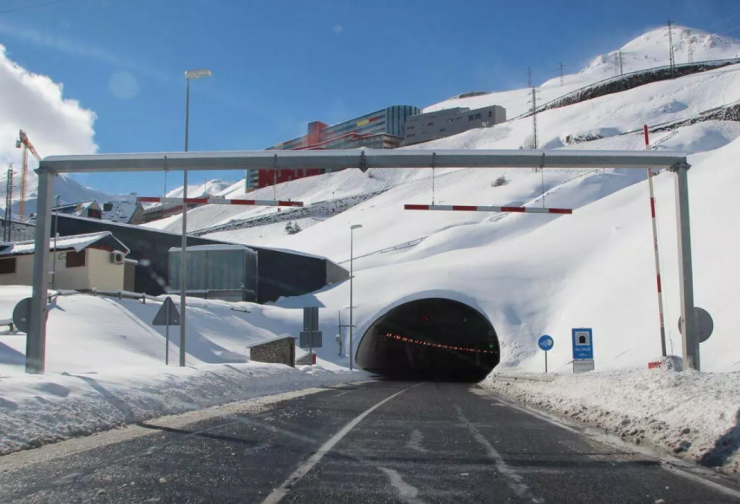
{"type": "Point", "coordinates": [430, 339]}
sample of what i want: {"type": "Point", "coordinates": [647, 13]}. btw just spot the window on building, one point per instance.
{"type": "Point", "coordinates": [75, 259]}
{"type": "Point", "coordinates": [451, 120]}
{"type": "Point", "coordinates": [470, 118]}
{"type": "Point", "coordinates": [430, 124]}
{"type": "Point", "coordinates": [410, 127]}
{"type": "Point", "coordinates": [7, 266]}
{"type": "Point", "coordinates": [490, 113]}
{"type": "Point", "coordinates": [411, 135]}
{"type": "Point", "coordinates": [477, 116]}
{"type": "Point", "coordinates": [443, 129]}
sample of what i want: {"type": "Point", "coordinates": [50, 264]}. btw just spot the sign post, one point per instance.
{"type": "Point", "coordinates": [583, 350]}
{"type": "Point", "coordinates": [310, 336]}
{"type": "Point", "coordinates": [546, 343]}
{"type": "Point", "coordinates": [167, 316]}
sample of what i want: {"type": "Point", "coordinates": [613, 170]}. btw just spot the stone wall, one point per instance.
{"type": "Point", "coordinates": [281, 351]}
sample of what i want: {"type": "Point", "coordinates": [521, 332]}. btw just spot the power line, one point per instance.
{"type": "Point", "coordinates": [732, 16]}
{"type": "Point", "coordinates": [27, 7]}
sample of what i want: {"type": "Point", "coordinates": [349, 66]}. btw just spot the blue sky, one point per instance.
{"type": "Point", "coordinates": [278, 64]}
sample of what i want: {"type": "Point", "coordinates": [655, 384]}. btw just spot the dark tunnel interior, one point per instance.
{"type": "Point", "coordinates": [430, 339]}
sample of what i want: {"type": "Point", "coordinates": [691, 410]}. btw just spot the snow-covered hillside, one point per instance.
{"type": "Point", "coordinates": [536, 274]}
{"type": "Point", "coordinates": [647, 51]}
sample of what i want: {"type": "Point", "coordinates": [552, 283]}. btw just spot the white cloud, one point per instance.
{"type": "Point", "coordinates": [35, 103]}
{"type": "Point", "coordinates": [338, 29]}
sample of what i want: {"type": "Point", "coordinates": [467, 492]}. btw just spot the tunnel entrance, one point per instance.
{"type": "Point", "coordinates": [430, 339]}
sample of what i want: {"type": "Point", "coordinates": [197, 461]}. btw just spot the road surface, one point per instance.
{"type": "Point", "coordinates": [376, 442]}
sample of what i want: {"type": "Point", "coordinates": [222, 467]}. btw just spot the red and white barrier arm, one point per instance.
{"type": "Point", "coordinates": [467, 208]}
{"type": "Point", "coordinates": [219, 201]}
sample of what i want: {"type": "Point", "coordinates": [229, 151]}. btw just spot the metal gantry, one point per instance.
{"type": "Point", "coordinates": [363, 159]}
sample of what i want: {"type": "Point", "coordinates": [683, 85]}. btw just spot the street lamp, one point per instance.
{"type": "Point", "coordinates": [351, 285]}
{"type": "Point", "coordinates": [189, 75]}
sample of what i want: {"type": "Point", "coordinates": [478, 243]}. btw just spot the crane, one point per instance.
{"type": "Point", "coordinates": [24, 143]}
{"type": "Point", "coordinates": [8, 204]}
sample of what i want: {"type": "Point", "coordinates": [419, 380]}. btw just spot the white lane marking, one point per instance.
{"type": "Point", "coordinates": [415, 441]}
{"type": "Point", "coordinates": [513, 480]}
{"type": "Point", "coordinates": [405, 491]}
{"type": "Point", "coordinates": [698, 479]}
{"type": "Point", "coordinates": [280, 492]}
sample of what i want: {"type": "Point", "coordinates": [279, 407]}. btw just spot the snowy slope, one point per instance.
{"type": "Point", "coordinates": [213, 187]}
{"type": "Point", "coordinates": [647, 51]}
{"type": "Point", "coordinates": [87, 333]}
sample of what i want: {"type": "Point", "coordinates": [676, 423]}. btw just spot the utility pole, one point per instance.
{"type": "Point", "coordinates": [533, 101]}
{"type": "Point", "coordinates": [670, 43]}
{"type": "Point", "coordinates": [529, 77]}
{"type": "Point", "coordinates": [691, 46]}
{"type": "Point", "coordinates": [621, 63]}
{"type": "Point", "coordinates": [560, 67]}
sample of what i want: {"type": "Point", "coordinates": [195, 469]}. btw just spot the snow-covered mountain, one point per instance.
{"type": "Point", "coordinates": [536, 274]}
{"type": "Point", "coordinates": [646, 51]}
{"type": "Point", "coordinates": [65, 186]}
{"type": "Point", "coordinates": [209, 188]}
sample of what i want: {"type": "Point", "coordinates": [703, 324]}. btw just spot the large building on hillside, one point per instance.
{"type": "Point", "coordinates": [382, 129]}
{"type": "Point", "coordinates": [448, 122]}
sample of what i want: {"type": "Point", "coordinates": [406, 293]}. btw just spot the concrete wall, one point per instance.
{"type": "Point", "coordinates": [276, 352]}
{"type": "Point", "coordinates": [448, 122]}
{"type": "Point", "coordinates": [97, 273]}
{"type": "Point", "coordinates": [102, 273]}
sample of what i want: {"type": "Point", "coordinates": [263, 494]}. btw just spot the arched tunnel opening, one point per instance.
{"type": "Point", "coordinates": [430, 339]}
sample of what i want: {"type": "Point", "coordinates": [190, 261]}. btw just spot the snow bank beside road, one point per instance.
{"type": "Point", "coordinates": [694, 415]}
{"type": "Point", "coordinates": [40, 409]}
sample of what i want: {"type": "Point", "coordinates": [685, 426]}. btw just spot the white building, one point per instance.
{"type": "Point", "coordinates": [87, 261]}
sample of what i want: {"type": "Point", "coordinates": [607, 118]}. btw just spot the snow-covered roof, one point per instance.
{"type": "Point", "coordinates": [270, 340]}
{"type": "Point", "coordinates": [212, 248]}
{"type": "Point", "coordinates": [121, 211]}
{"type": "Point", "coordinates": [76, 242]}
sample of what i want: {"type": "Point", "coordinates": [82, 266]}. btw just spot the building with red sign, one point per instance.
{"type": "Point", "coordinates": [383, 129]}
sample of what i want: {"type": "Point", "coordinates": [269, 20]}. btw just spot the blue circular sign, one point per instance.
{"type": "Point", "coordinates": [546, 343]}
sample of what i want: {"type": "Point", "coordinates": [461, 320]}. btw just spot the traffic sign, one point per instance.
{"type": "Point", "coordinates": [22, 315]}
{"type": "Point", "coordinates": [310, 339]}
{"type": "Point", "coordinates": [167, 314]}
{"type": "Point", "coordinates": [311, 319]}
{"type": "Point", "coordinates": [703, 321]}
{"type": "Point", "coordinates": [546, 342]}
{"type": "Point", "coordinates": [583, 365]}
{"type": "Point", "coordinates": [583, 347]}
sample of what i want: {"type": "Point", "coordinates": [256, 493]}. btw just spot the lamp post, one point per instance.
{"type": "Point", "coordinates": [189, 75]}
{"type": "Point", "coordinates": [351, 288]}
{"type": "Point", "coordinates": [56, 233]}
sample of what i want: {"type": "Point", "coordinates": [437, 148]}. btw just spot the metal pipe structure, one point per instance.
{"type": "Point", "coordinates": [363, 159]}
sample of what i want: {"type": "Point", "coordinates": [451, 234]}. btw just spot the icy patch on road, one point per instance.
{"type": "Point", "coordinates": [693, 415]}
{"type": "Point", "coordinates": [40, 409]}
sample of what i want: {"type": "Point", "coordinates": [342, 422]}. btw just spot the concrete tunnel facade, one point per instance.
{"type": "Point", "coordinates": [430, 339]}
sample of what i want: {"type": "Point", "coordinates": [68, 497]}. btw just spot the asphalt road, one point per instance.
{"type": "Point", "coordinates": [378, 442]}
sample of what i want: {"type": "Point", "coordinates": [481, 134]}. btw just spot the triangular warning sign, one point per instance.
{"type": "Point", "coordinates": [167, 315]}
